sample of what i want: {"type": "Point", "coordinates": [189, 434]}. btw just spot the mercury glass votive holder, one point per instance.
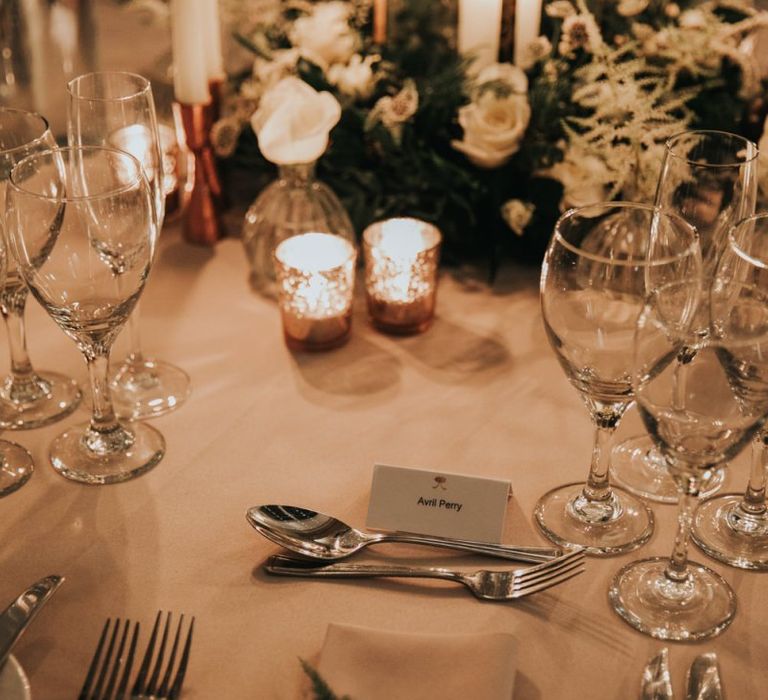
{"type": "Point", "coordinates": [315, 275]}
{"type": "Point", "coordinates": [401, 259]}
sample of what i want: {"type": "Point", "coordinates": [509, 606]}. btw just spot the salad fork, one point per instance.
{"type": "Point", "coordinates": [484, 584]}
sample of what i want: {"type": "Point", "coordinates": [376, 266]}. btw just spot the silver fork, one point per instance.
{"type": "Point", "coordinates": [486, 585]}
{"type": "Point", "coordinates": [101, 681]}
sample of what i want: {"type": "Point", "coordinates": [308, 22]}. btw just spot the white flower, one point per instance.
{"type": "Point", "coordinates": [693, 19]}
{"type": "Point", "coordinates": [579, 32]}
{"type": "Point", "coordinates": [293, 121]}
{"type": "Point", "coordinates": [535, 51]}
{"type": "Point", "coordinates": [272, 71]}
{"type": "Point", "coordinates": [494, 126]}
{"type": "Point", "coordinates": [325, 35]}
{"type": "Point", "coordinates": [356, 79]}
{"type": "Point", "coordinates": [517, 214]}
{"type": "Point", "coordinates": [510, 76]}
{"type": "Point", "coordinates": [394, 111]}
{"type": "Point", "coordinates": [630, 8]}
{"type": "Point", "coordinates": [583, 178]}
{"type": "Point", "coordinates": [560, 9]}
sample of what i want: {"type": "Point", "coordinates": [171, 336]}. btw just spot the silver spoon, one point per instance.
{"type": "Point", "coordinates": [320, 536]}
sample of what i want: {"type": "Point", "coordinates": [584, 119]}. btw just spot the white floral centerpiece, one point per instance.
{"type": "Point", "coordinates": [492, 156]}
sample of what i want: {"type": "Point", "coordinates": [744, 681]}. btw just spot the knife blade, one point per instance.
{"type": "Point", "coordinates": [656, 683]}
{"type": "Point", "coordinates": [703, 680]}
{"type": "Point", "coordinates": [17, 616]}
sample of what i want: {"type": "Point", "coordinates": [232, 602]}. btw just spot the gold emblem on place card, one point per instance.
{"type": "Point", "coordinates": [440, 483]}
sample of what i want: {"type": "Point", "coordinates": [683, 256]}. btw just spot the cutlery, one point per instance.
{"type": "Point", "coordinates": [486, 585]}
{"type": "Point", "coordinates": [108, 677]}
{"type": "Point", "coordinates": [656, 683]}
{"type": "Point", "coordinates": [703, 679]}
{"type": "Point", "coordinates": [17, 616]}
{"type": "Point", "coordinates": [319, 536]}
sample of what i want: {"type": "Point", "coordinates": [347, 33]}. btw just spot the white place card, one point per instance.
{"type": "Point", "coordinates": [437, 503]}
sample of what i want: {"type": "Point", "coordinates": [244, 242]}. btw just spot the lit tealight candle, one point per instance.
{"type": "Point", "coordinates": [401, 257]}
{"type": "Point", "coordinates": [315, 276]}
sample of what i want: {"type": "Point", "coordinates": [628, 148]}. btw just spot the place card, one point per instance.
{"type": "Point", "coordinates": [437, 503]}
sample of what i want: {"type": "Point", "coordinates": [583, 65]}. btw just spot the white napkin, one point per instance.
{"type": "Point", "coordinates": [369, 664]}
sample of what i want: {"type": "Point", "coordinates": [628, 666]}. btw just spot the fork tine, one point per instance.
{"type": "Point", "coordinates": [107, 660]}
{"type": "Point", "coordinates": [121, 688]}
{"type": "Point", "coordinates": [535, 572]}
{"type": "Point", "coordinates": [559, 577]}
{"type": "Point", "coordinates": [118, 660]}
{"type": "Point", "coordinates": [523, 582]}
{"type": "Point", "coordinates": [138, 686]}
{"type": "Point", "coordinates": [150, 689]}
{"type": "Point", "coordinates": [179, 680]}
{"type": "Point", "coordinates": [85, 690]}
{"type": "Point", "coordinates": [162, 691]}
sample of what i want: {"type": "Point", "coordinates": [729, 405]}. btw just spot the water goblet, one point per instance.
{"type": "Point", "coordinates": [117, 109]}
{"type": "Point", "coordinates": [81, 226]}
{"type": "Point", "coordinates": [591, 295]}
{"type": "Point", "coordinates": [28, 399]}
{"type": "Point", "coordinates": [710, 179]}
{"type": "Point", "coordinates": [732, 527]}
{"type": "Point", "coordinates": [698, 425]}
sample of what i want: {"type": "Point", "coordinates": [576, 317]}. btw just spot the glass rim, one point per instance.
{"type": "Point", "coordinates": [146, 86]}
{"type": "Point", "coordinates": [350, 257]}
{"type": "Point", "coordinates": [76, 198]}
{"type": "Point", "coordinates": [427, 228]}
{"type": "Point", "coordinates": [747, 142]}
{"type": "Point", "coordinates": [594, 257]}
{"type": "Point", "coordinates": [37, 139]}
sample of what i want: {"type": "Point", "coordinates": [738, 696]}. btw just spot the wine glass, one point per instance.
{"type": "Point", "coordinates": [601, 261]}
{"type": "Point", "coordinates": [117, 109]}
{"type": "Point", "coordinates": [733, 528]}
{"type": "Point", "coordinates": [710, 179]}
{"type": "Point", "coordinates": [28, 399]}
{"type": "Point", "coordinates": [81, 225]}
{"type": "Point", "coordinates": [698, 425]}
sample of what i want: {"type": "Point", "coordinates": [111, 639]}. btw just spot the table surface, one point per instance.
{"type": "Point", "coordinates": [479, 393]}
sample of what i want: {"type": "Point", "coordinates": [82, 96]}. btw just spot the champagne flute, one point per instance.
{"type": "Point", "coordinates": [81, 226]}
{"type": "Point", "coordinates": [117, 109]}
{"type": "Point", "coordinates": [732, 527]}
{"type": "Point", "coordinates": [28, 399]}
{"type": "Point", "coordinates": [710, 179]}
{"type": "Point", "coordinates": [591, 296]}
{"type": "Point", "coordinates": [698, 425]}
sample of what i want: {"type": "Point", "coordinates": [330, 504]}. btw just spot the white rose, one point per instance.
{"type": "Point", "coordinates": [356, 79]}
{"type": "Point", "coordinates": [517, 214]}
{"type": "Point", "coordinates": [325, 34]}
{"type": "Point", "coordinates": [511, 76]}
{"type": "Point", "coordinates": [293, 121]}
{"type": "Point", "coordinates": [582, 177]}
{"type": "Point", "coordinates": [493, 128]}
{"type": "Point", "coordinates": [630, 8]}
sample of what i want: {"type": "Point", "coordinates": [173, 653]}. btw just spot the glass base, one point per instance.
{"type": "Point", "coordinates": [724, 532]}
{"type": "Point", "coordinates": [16, 466]}
{"type": "Point", "coordinates": [52, 397]}
{"type": "Point", "coordinates": [148, 388]}
{"type": "Point", "coordinates": [619, 525]}
{"type": "Point", "coordinates": [638, 467]}
{"type": "Point", "coordinates": [77, 456]}
{"type": "Point", "coordinates": [699, 607]}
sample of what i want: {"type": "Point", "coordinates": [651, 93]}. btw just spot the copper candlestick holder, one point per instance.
{"type": "Point", "coordinates": [201, 222]}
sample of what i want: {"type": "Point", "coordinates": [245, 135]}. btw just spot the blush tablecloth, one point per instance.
{"type": "Point", "coordinates": [479, 393]}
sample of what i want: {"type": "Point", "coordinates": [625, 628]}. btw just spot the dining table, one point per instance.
{"type": "Point", "coordinates": [479, 393]}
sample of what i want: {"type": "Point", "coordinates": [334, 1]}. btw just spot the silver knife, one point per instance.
{"type": "Point", "coordinates": [22, 611]}
{"type": "Point", "coordinates": [656, 683]}
{"type": "Point", "coordinates": [703, 681]}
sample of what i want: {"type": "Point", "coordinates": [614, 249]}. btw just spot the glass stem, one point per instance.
{"type": "Point", "coordinates": [677, 568]}
{"type": "Point", "coordinates": [753, 502]}
{"type": "Point", "coordinates": [103, 420]}
{"type": "Point", "coordinates": [21, 366]}
{"type": "Point", "coordinates": [134, 337]}
{"type": "Point", "coordinates": [597, 487]}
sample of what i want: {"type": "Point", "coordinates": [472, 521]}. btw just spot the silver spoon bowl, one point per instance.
{"type": "Point", "coordinates": [319, 536]}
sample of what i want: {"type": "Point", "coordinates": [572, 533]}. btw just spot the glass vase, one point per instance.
{"type": "Point", "coordinates": [293, 204]}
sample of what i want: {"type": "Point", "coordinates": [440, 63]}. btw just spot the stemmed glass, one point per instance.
{"type": "Point", "coordinates": [81, 225]}
{"type": "Point", "coordinates": [117, 109]}
{"type": "Point", "coordinates": [710, 179]}
{"type": "Point", "coordinates": [733, 528]}
{"type": "Point", "coordinates": [697, 424]}
{"type": "Point", "coordinates": [591, 295]}
{"type": "Point", "coordinates": [28, 399]}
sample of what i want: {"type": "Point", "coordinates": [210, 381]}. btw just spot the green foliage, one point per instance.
{"type": "Point", "coordinates": [320, 689]}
